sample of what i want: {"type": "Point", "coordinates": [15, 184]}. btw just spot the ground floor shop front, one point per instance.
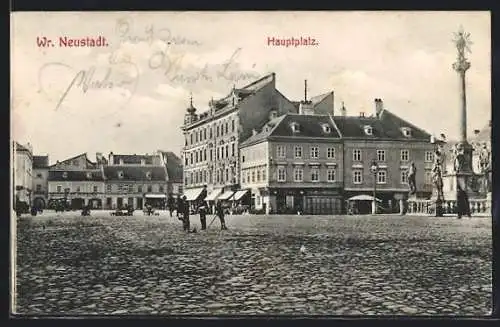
{"type": "Point", "coordinates": [297, 201]}
{"type": "Point", "coordinates": [157, 201]}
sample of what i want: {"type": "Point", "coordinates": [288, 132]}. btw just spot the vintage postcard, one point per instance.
{"type": "Point", "coordinates": [251, 163]}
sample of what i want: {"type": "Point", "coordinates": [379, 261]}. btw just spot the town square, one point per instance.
{"type": "Point", "coordinates": [351, 265]}
{"type": "Point", "coordinates": [182, 175]}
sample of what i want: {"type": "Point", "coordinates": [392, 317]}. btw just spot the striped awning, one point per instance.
{"type": "Point", "coordinates": [226, 195]}
{"type": "Point", "coordinates": [213, 195]}
{"type": "Point", "coordinates": [239, 194]}
{"type": "Point", "coordinates": [193, 193]}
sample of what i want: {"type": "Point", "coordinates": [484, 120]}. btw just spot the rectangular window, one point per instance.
{"type": "Point", "coordinates": [404, 176]}
{"type": "Point", "coordinates": [161, 189]}
{"type": "Point", "coordinates": [314, 152]}
{"type": "Point", "coordinates": [218, 154]}
{"type": "Point", "coordinates": [258, 175]}
{"type": "Point", "coordinates": [298, 175]}
{"type": "Point", "coordinates": [330, 175]}
{"type": "Point", "coordinates": [211, 155]}
{"type": "Point", "coordinates": [78, 189]}
{"type": "Point", "coordinates": [67, 190]}
{"type": "Point", "coordinates": [405, 155]}
{"type": "Point", "coordinates": [227, 150]}
{"type": "Point", "coordinates": [264, 174]}
{"type": "Point", "coordinates": [380, 155]}
{"type": "Point", "coordinates": [38, 188]}
{"type": "Point", "coordinates": [281, 174]}
{"type": "Point", "coordinates": [59, 188]}
{"type": "Point", "coordinates": [96, 189]}
{"type": "Point", "coordinates": [428, 177]}
{"type": "Point", "coordinates": [232, 149]}
{"type": "Point", "coordinates": [356, 155]}
{"type": "Point", "coordinates": [330, 153]}
{"type": "Point", "coordinates": [232, 125]}
{"type": "Point", "coordinates": [150, 188]}
{"type": "Point", "coordinates": [186, 162]}
{"type": "Point", "coordinates": [204, 133]}
{"type": "Point", "coordinates": [253, 176]}
{"type": "Point", "coordinates": [357, 176]}
{"type": "Point", "coordinates": [298, 152]}
{"type": "Point", "coordinates": [191, 158]}
{"type": "Point", "coordinates": [108, 188]}
{"type": "Point", "coordinates": [381, 177]}
{"type": "Point", "coordinates": [280, 151]}
{"type": "Point", "coordinates": [139, 188]}
{"type": "Point", "coordinates": [315, 175]}
{"type": "Point", "coordinates": [429, 156]}
{"type": "Point", "coordinates": [210, 132]}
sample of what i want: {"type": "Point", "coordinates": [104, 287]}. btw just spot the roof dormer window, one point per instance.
{"type": "Point", "coordinates": [295, 127]}
{"type": "Point", "coordinates": [406, 131]}
{"type": "Point", "coordinates": [65, 175]}
{"type": "Point", "coordinates": [326, 129]}
{"type": "Point", "coordinates": [120, 174]}
{"type": "Point", "coordinates": [368, 130]}
{"type": "Point", "coordinates": [148, 175]}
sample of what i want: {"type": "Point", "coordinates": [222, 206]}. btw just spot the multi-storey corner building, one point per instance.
{"type": "Point", "coordinates": [212, 138]}
{"type": "Point", "coordinates": [294, 164]}
{"type": "Point", "coordinates": [78, 180]}
{"type": "Point", "coordinates": [393, 144]}
{"type": "Point", "coordinates": [135, 180]}
{"type": "Point", "coordinates": [23, 172]}
{"type": "Point", "coordinates": [40, 181]}
{"type": "Point", "coordinates": [313, 163]}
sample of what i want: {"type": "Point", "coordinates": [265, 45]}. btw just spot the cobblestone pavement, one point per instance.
{"type": "Point", "coordinates": [367, 265]}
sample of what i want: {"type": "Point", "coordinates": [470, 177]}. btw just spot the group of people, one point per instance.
{"type": "Point", "coordinates": [183, 211]}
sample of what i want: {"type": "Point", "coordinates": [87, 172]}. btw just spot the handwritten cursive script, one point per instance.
{"type": "Point", "coordinates": [171, 64]}
{"type": "Point", "coordinates": [87, 80]}
{"type": "Point", "coordinates": [150, 34]}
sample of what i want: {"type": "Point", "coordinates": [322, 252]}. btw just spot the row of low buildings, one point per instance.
{"type": "Point", "coordinates": [106, 183]}
{"type": "Point", "coordinates": [258, 148]}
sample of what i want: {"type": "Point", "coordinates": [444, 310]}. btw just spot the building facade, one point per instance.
{"type": "Point", "coordinates": [212, 139]}
{"type": "Point", "coordinates": [77, 180]}
{"type": "Point", "coordinates": [23, 173]}
{"type": "Point", "coordinates": [294, 164]}
{"type": "Point", "coordinates": [314, 163]}
{"type": "Point", "coordinates": [173, 163]}
{"type": "Point", "coordinates": [40, 181]}
{"type": "Point", "coordinates": [135, 180]}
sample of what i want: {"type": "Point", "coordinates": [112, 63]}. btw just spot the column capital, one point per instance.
{"type": "Point", "coordinates": [461, 66]}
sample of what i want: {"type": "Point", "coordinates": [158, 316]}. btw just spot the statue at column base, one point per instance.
{"type": "Point", "coordinates": [437, 197]}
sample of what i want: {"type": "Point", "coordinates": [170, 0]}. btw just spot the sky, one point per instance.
{"type": "Point", "coordinates": [131, 95]}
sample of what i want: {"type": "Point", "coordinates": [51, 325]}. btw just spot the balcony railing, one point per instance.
{"type": "Point", "coordinates": [478, 207]}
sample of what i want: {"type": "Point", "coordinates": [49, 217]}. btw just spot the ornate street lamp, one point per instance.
{"type": "Point", "coordinates": [374, 170]}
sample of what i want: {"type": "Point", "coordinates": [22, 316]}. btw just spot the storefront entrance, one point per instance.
{"type": "Point", "coordinates": [323, 205]}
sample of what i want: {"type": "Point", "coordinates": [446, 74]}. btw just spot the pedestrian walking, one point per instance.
{"type": "Point", "coordinates": [185, 214]}
{"type": "Point", "coordinates": [180, 206]}
{"type": "Point", "coordinates": [202, 210]}
{"type": "Point", "coordinates": [219, 210]}
{"type": "Point", "coordinates": [463, 205]}
{"type": "Point", "coordinates": [170, 204]}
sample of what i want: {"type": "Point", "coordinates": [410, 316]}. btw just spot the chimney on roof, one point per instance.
{"type": "Point", "coordinates": [343, 110]}
{"type": "Point", "coordinates": [379, 106]}
{"type": "Point", "coordinates": [306, 107]}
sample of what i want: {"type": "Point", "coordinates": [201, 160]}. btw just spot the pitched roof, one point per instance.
{"type": "Point", "coordinates": [309, 126]}
{"type": "Point", "coordinates": [174, 167]}
{"type": "Point", "coordinates": [40, 161]}
{"type": "Point", "coordinates": [132, 159]}
{"type": "Point", "coordinates": [20, 147]}
{"type": "Point", "coordinates": [90, 164]}
{"type": "Point", "coordinates": [76, 175]}
{"type": "Point", "coordinates": [386, 126]}
{"type": "Point", "coordinates": [135, 173]}
{"type": "Point", "coordinates": [318, 98]}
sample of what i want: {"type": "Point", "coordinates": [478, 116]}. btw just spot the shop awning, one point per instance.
{"type": "Point", "coordinates": [226, 195]}
{"type": "Point", "coordinates": [155, 196]}
{"type": "Point", "coordinates": [213, 195]}
{"type": "Point", "coordinates": [363, 197]}
{"type": "Point", "coordinates": [239, 194]}
{"type": "Point", "coordinates": [192, 194]}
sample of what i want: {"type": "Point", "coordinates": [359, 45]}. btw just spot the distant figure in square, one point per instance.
{"type": "Point", "coordinates": [463, 205]}
{"type": "Point", "coordinates": [179, 207]}
{"type": "Point", "coordinates": [185, 214]}
{"type": "Point", "coordinates": [412, 178]}
{"type": "Point", "coordinates": [202, 210]}
{"type": "Point", "coordinates": [219, 210]}
{"type": "Point", "coordinates": [170, 204]}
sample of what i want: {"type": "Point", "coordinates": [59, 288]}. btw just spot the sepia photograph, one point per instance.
{"type": "Point", "coordinates": [253, 163]}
